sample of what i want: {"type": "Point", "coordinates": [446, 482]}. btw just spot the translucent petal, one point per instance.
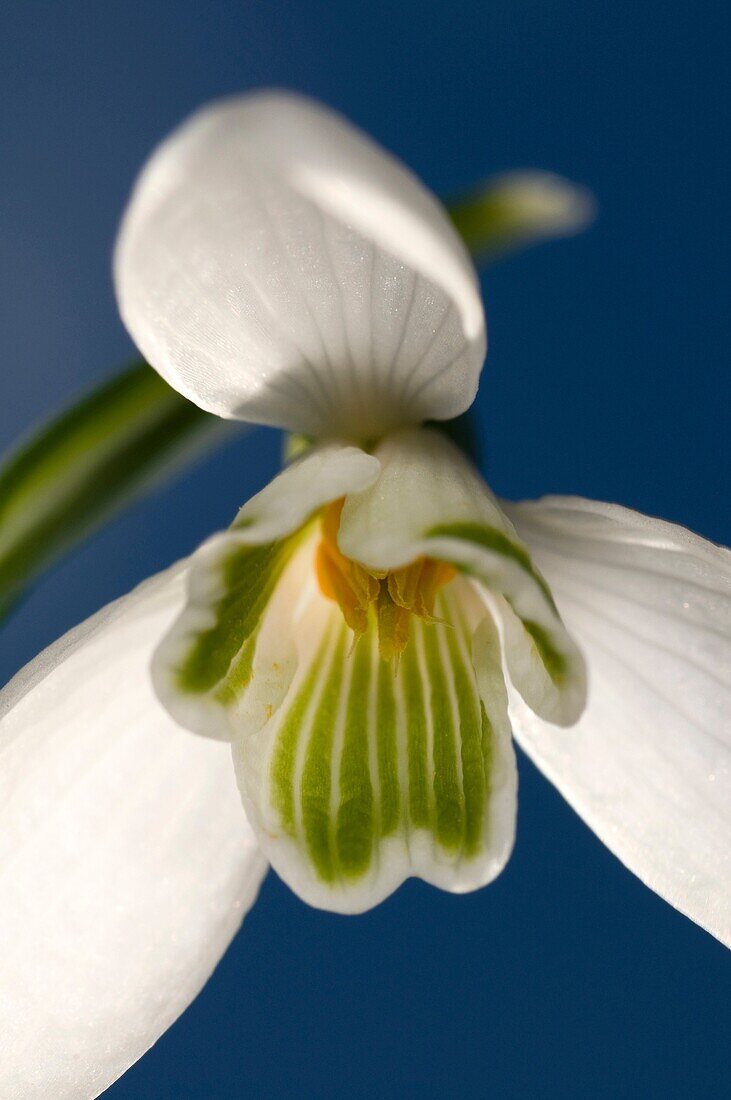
{"type": "Point", "coordinates": [228, 638]}
{"type": "Point", "coordinates": [371, 771]}
{"type": "Point", "coordinates": [126, 863]}
{"type": "Point", "coordinates": [275, 265]}
{"type": "Point", "coordinates": [428, 500]}
{"type": "Point", "coordinates": [649, 765]}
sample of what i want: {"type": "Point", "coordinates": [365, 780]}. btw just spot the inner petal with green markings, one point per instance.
{"type": "Point", "coordinates": [350, 635]}
{"type": "Point", "coordinates": [372, 771]}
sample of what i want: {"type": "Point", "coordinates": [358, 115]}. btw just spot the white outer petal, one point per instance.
{"type": "Point", "coordinates": [648, 766]}
{"type": "Point", "coordinates": [126, 862]}
{"type": "Point", "coordinates": [276, 265]}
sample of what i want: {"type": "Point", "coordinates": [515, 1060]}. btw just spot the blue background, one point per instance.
{"type": "Point", "coordinates": [607, 376]}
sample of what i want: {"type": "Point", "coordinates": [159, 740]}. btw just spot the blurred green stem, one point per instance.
{"type": "Point", "coordinates": [79, 469]}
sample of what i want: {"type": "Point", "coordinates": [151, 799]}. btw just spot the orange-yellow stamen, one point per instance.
{"type": "Point", "coordinates": [391, 597]}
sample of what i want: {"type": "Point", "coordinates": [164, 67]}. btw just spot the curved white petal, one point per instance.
{"type": "Point", "coordinates": [227, 659]}
{"type": "Point", "coordinates": [126, 862]}
{"type": "Point", "coordinates": [649, 765]}
{"type": "Point", "coordinates": [275, 265]}
{"type": "Point", "coordinates": [429, 500]}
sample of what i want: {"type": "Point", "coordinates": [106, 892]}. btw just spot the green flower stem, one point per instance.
{"type": "Point", "coordinates": [518, 209]}
{"type": "Point", "coordinates": [72, 474]}
{"type": "Point", "coordinates": [483, 223]}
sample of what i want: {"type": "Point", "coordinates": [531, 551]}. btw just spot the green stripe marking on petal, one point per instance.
{"type": "Point", "coordinates": [487, 742]}
{"type": "Point", "coordinates": [555, 661]}
{"type": "Point", "coordinates": [416, 736]}
{"type": "Point", "coordinates": [219, 657]}
{"type": "Point", "coordinates": [284, 759]}
{"type": "Point", "coordinates": [474, 778]}
{"type": "Point", "coordinates": [388, 776]}
{"type": "Point", "coordinates": [491, 538]}
{"type": "Point", "coordinates": [355, 823]}
{"type": "Point", "coordinates": [316, 784]}
{"type": "Point", "coordinates": [448, 796]}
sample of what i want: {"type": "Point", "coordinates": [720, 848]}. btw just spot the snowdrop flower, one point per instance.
{"type": "Point", "coordinates": [366, 636]}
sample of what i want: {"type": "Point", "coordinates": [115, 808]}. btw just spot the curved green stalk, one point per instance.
{"type": "Point", "coordinates": [73, 473]}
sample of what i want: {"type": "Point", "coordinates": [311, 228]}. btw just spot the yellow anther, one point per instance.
{"type": "Point", "coordinates": [391, 598]}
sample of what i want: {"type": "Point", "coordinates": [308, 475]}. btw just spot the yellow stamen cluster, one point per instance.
{"type": "Point", "coordinates": [392, 597]}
